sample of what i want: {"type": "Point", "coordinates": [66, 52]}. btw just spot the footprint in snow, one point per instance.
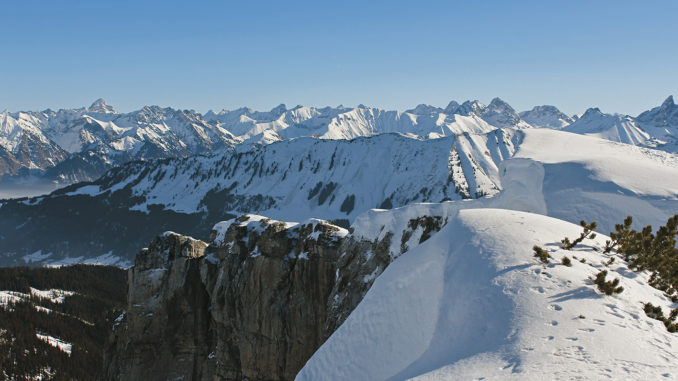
{"type": "Point", "coordinates": [539, 289]}
{"type": "Point", "coordinates": [555, 307]}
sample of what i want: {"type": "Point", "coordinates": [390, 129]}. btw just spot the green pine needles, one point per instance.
{"type": "Point", "coordinates": [655, 312]}
{"type": "Point", "coordinates": [587, 233]}
{"type": "Point", "coordinates": [607, 287]}
{"type": "Point", "coordinates": [541, 254]}
{"type": "Point", "coordinates": [644, 250]}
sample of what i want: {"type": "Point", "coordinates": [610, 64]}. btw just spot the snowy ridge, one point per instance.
{"type": "Point", "coordinates": [472, 303]}
{"type": "Point", "coordinates": [53, 295]}
{"type": "Point", "coordinates": [305, 178]}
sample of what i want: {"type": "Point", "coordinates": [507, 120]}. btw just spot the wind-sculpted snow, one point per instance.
{"type": "Point", "coordinates": [472, 303]}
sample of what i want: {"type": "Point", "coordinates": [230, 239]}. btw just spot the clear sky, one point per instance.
{"type": "Point", "coordinates": [621, 56]}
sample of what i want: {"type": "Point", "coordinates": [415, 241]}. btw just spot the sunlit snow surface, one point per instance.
{"type": "Point", "coordinates": [472, 302]}
{"type": "Point", "coordinates": [57, 343]}
{"type": "Point", "coordinates": [53, 295]}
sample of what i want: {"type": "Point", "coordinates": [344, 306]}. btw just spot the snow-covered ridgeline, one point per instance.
{"type": "Point", "coordinates": [472, 302]}
{"type": "Point", "coordinates": [53, 295]}
{"type": "Point", "coordinates": [331, 179]}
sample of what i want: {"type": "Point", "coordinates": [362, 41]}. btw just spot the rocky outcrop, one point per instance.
{"type": "Point", "coordinates": [255, 303]}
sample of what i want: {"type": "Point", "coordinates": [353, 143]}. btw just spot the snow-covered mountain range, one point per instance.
{"type": "Point", "coordinates": [68, 146]}
{"type": "Point", "coordinates": [566, 175]}
{"type": "Point", "coordinates": [432, 217]}
{"type": "Point", "coordinates": [76, 145]}
{"type": "Point", "coordinates": [451, 289]}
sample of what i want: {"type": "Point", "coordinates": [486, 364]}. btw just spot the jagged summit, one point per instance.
{"type": "Point", "coordinates": [101, 106]}
{"type": "Point", "coordinates": [423, 109]}
{"type": "Point", "coordinates": [501, 114]}
{"type": "Point", "coordinates": [665, 115]}
{"type": "Point", "coordinates": [469, 107]}
{"type": "Point", "coordinates": [451, 107]}
{"type": "Point", "coordinates": [546, 116]}
{"type": "Point", "coordinates": [499, 103]}
{"type": "Point", "coordinates": [668, 102]}
{"type": "Point", "coordinates": [279, 109]}
{"type": "Point", "coordinates": [591, 112]}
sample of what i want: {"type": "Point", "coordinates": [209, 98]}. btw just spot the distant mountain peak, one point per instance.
{"type": "Point", "coordinates": [451, 107]}
{"type": "Point", "coordinates": [469, 107]}
{"type": "Point", "coordinates": [592, 111]}
{"type": "Point", "coordinates": [279, 109]}
{"type": "Point", "coordinates": [498, 102]}
{"type": "Point", "coordinates": [663, 117]}
{"type": "Point", "coordinates": [499, 113]}
{"type": "Point", "coordinates": [101, 106]}
{"type": "Point", "coordinates": [546, 116]}
{"type": "Point", "coordinates": [424, 109]}
{"type": "Point", "coordinates": [668, 102]}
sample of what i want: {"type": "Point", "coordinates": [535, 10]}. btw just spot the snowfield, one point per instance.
{"type": "Point", "coordinates": [473, 303]}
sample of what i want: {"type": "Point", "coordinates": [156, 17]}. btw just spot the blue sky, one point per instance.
{"type": "Point", "coordinates": [621, 56]}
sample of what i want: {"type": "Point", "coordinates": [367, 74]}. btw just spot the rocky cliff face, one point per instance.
{"type": "Point", "coordinates": [255, 303]}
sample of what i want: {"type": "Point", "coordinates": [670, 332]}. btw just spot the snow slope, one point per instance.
{"type": "Point", "coordinates": [595, 179]}
{"type": "Point", "coordinates": [472, 303]}
{"type": "Point", "coordinates": [304, 178]}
